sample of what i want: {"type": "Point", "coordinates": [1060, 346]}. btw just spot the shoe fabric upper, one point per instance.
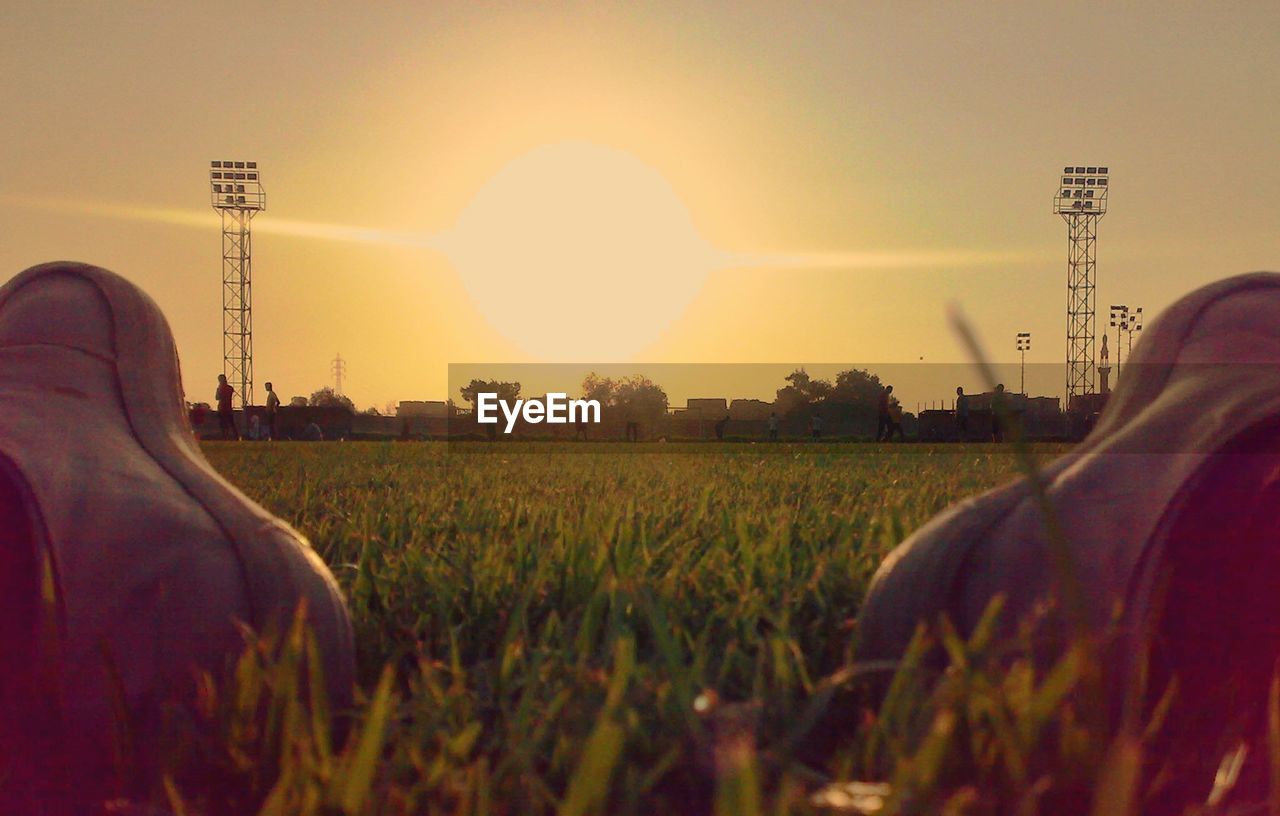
{"type": "Point", "coordinates": [1205, 371]}
{"type": "Point", "coordinates": [157, 556]}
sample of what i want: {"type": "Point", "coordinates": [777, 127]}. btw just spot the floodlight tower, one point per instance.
{"type": "Point", "coordinates": [1024, 345]}
{"type": "Point", "coordinates": [1081, 200]}
{"type": "Point", "coordinates": [236, 192]}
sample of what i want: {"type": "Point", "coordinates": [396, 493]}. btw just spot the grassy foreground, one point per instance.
{"type": "Point", "coordinates": [577, 629]}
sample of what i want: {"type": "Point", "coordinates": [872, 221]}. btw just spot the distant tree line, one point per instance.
{"type": "Point", "coordinates": [849, 402]}
{"type": "Point", "coordinates": [638, 398]}
{"type": "Point", "coordinates": [628, 399]}
{"type": "Point", "coordinates": [854, 390]}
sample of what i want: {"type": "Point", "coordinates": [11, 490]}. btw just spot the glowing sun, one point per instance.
{"type": "Point", "coordinates": [579, 252]}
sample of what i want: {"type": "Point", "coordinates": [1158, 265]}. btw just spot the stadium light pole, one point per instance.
{"type": "Point", "coordinates": [1081, 200]}
{"type": "Point", "coordinates": [1118, 315]}
{"type": "Point", "coordinates": [1126, 322]}
{"type": "Point", "coordinates": [1024, 345]}
{"type": "Point", "coordinates": [235, 191]}
{"type": "Point", "coordinates": [1135, 325]}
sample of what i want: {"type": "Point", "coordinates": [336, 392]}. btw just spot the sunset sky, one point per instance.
{"type": "Point", "coordinates": [670, 182]}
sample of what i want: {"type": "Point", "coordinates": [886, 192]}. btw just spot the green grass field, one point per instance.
{"type": "Point", "coordinates": [603, 629]}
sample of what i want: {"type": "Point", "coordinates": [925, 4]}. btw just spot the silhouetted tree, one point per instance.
{"type": "Point", "coordinates": [857, 388]}
{"type": "Point", "coordinates": [631, 399]}
{"type": "Point", "coordinates": [326, 398]}
{"type": "Point", "coordinates": [506, 391]}
{"type": "Point", "coordinates": [855, 397]}
{"type": "Point", "coordinates": [640, 399]}
{"type": "Point", "coordinates": [595, 387]}
{"type": "Point", "coordinates": [802, 393]}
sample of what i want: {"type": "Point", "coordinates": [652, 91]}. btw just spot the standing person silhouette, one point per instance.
{"type": "Point", "coordinates": [773, 426]}
{"type": "Point", "coordinates": [720, 426]}
{"type": "Point", "coordinates": [226, 418]}
{"type": "Point", "coordinates": [962, 415]}
{"type": "Point", "coordinates": [273, 408]}
{"type": "Point", "coordinates": [895, 422]}
{"type": "Point", "coordinates": [884, 425]}
{"type": "Point", "coordinates": [997, 414]}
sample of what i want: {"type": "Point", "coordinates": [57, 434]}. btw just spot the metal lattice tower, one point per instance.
{"type": "Point", "coordinates": [1081, 200]}
{"type": "Point", "coordinates": [236, 193]}
{"type": "Point", "coordinates": [339, 367]}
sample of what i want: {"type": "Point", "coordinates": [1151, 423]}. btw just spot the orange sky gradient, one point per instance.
{"type": "Point", "coordinates": [710, 182]}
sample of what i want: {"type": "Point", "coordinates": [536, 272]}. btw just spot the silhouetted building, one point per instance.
{"type": "Point", "coordinates": [422, 408]}
{"type": "Point", "coordinates": [422, 418]}
{"type": "Point", "coordinates": [713, 408]}
{"type": "Point", "coordinates": [750, 409]}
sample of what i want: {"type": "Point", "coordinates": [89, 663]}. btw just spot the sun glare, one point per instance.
{"type": "Point", "coordinates": [579, 252]}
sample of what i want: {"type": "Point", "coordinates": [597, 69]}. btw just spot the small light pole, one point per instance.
{"type": "Point", "coordinates": [1119, 319]}
{"type": "Point", "coordinates": [1135, 325]}
{"type": "Point", "coordinates": [1126, 322]}
{"type": "Point", "coordinates": [1024, 345]}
